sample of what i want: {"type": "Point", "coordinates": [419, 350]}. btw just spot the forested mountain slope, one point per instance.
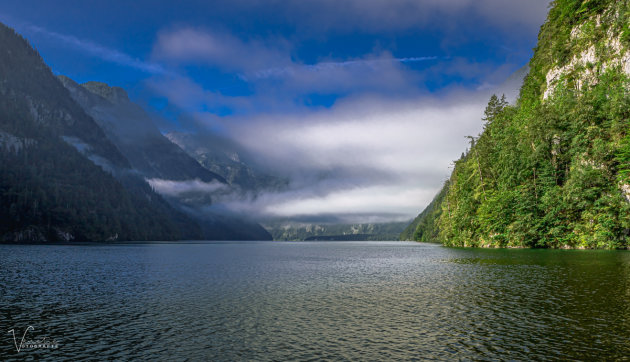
{"type": "Point", "coordinates": [553, 170]}
{"type": "Point", "coordinates": [57, 167]}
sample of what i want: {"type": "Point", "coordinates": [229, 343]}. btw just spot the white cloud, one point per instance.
{"type": "Point", "coordinates": [384, 149]}
{"type": "Point", "coordinates": [369, 158]}
{"type": "Point", "coordinates": [320, 16]}
{"type": "Point", "coordinates": [176, 188]}
{"type": "Point", "coordinates": [374, 133]}
{"type": "Point", "coordinates": [269, 67]}
{"type": "Point", "coordinates": [191, 45]}
{"type": "Point", "coordinates": [385, 203]}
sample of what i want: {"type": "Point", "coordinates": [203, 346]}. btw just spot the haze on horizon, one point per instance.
{"type": "Point", "coordinates": [361, 105]}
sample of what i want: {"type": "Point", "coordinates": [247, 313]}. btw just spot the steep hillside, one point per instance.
{"type": "Point", "coordinates": [552, 171]}
{"type": "Point", "coordinates": [57, 166]}
{"type": "Point", "coordinates": [132, 130]}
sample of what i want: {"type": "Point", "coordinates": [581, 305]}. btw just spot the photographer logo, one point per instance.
{"type": "Point", "coordinates": [29, 344]}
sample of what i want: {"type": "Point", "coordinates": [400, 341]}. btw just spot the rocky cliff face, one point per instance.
{"type": "Point", "coordinates": [596, 43]}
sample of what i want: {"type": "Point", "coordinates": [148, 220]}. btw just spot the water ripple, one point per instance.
{"type": "Point", "coordinates": [314, 301]}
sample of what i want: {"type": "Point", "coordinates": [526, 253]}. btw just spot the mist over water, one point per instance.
{"type": "Point", "coordinates": [315, 300]}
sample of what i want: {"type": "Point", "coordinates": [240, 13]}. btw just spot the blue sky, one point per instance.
{"type": "Point", "coordinates": [329, 83]}
{"type": "Point", "coordinates": [478, 40]}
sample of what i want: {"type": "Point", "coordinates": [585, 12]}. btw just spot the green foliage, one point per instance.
{"type": "Point", "coordinates": [623, 159]}
{"type": "Point", "coordinates": [49, 189]}
{"type": "Point", "coordinates": [548, 173]}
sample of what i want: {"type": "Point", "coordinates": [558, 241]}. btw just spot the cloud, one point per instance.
{"type": "Point", "coordinates": [286, 88]}
{"type": "Point", "coordinates": [317, 17]}
{"type": "Point", "coordinates": [380, 152]}
{"type": "Point", "coordinates": [268, 65]}
{"type": "Point", "coordinates": [384, 147]}
{"type": "Point", "coordinates": [370, 132]}
{"type": "Point", "coordinates": [100, 51]}
{"type": "Point", "coordinates": [191, 45]}
{"type": "Point", "coordinates": [186, 94]}
{"type": "Point", "coordinates": [327, 66]}
{"type": "Point", "coordinates": [382, 203]}
{"type": "Point", "coordinates": [369, 158]}
{"type": "Point", "coordinates": [356, 205]}
{"type": "Point", "coordinates": [373, 73]}
{"type": "Point", "coordinates": [366, 159]}
{"type": "Point", "coordinates": [177, 188]}
{"type": "Point", "coordinates": [409, 14]}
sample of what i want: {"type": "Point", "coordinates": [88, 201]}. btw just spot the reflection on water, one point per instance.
{"type": "Point", "coordinates": [315, 300]}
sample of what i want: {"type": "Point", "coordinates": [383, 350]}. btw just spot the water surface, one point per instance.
{"type": "Point", "coordinates": [314, 300]}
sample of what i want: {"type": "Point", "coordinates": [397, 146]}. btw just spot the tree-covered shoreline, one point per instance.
{"type": "Point", "coordinates": [553, 170]}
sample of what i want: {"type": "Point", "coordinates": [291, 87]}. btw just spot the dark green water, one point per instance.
{"type": "Point", "coordinates": [314, 300]}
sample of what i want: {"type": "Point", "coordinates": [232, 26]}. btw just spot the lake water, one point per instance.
{"type": "Point", "coordinates": [313, 300]}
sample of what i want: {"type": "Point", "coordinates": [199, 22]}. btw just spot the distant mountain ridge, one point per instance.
{"type": "Point", "coordinates": [368, 231]}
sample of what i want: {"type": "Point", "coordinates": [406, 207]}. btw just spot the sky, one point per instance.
{"type": "Point", "coordinates": [361, 104]}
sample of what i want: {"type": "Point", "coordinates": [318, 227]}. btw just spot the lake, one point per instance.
{"type": "Point", "coordinates": [311, 301]}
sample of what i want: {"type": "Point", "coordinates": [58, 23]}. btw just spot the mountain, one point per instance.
{"type": "Point", "coordinates": [134, 133]}
{"type": "Point", "coordinates": [375, 231]}
{"type": "Point", "coordinates": [57, 167]}
{"type": "Point", "coordinates": [161, 161]}
{"type": "Point", "coordinates": [553, 170]}
{"type": "Point", "coordinates": [223, 157]}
